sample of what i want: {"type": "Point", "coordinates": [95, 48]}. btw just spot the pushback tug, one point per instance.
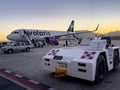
{"type": "Point", "coordinates": [89, 62]}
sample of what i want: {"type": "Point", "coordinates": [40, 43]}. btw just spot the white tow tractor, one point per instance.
{"type": "Point", "coordinates": [89, 62]}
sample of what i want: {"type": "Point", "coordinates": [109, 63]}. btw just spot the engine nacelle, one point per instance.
{"type": "Point", "coordinates": [51, 40]}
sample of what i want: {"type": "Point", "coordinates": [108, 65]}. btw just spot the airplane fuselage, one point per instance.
{"type": "Point", "coordinates": [17, 35]}
{"type": "Point", "coordinates": [32, 34]}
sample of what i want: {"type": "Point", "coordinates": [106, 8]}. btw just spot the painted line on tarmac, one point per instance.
{"type": "Point", "coordinates": [24, 80]}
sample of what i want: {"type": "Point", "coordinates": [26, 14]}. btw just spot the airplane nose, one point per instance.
{"type": "Point", "coordinates": [9, 37]}
{"type": "Point", "coordinates": [13, 37]}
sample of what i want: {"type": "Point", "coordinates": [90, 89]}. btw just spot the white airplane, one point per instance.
{"type": "Point", "coordinates": [48, 35]}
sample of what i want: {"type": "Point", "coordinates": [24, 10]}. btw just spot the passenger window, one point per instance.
{"type": "Point", "coordinates": [22, 44]}
{"type": "Point", "coordinates": [17, 44]}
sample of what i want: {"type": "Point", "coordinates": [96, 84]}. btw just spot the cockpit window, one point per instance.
{"type": "Point", "coordinates": [15, 32]}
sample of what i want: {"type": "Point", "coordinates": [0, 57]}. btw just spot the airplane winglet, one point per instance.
{"type": "Point", "coordinates": [97, 27]}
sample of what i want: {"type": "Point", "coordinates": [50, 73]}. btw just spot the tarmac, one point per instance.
{"type": "Point", "coordinates": [29, 65]}
{"type": "Point", "coordinates": [6, 84]}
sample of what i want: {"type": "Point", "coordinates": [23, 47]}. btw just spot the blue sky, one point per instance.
{"type": "Point", "coordinates": [57, 14]}
{"type": "Point", "coordinates": [58, 8]}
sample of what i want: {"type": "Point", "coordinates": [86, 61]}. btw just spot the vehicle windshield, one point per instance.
{"type": "Point", "coordinates": [85, 42]}
{"type": "Point", "coordinates": [11, 44]}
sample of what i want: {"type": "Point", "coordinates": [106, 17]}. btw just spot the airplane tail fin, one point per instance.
{"type": "Point", "coordinates": [71, 27]}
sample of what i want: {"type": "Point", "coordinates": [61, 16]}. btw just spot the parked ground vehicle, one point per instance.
{"type": "Point", "coordinates": [17, 46]}
{"type": "Point", "coordinates": [89, 62]}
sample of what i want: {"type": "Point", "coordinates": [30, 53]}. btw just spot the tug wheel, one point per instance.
{"type": "Point", "coordinates": [101, 69]}
{"type": "Point", "coordinates": [115, 61]}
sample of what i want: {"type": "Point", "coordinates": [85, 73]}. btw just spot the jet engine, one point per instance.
{"type": "Point", "coordinates": [51, 40]}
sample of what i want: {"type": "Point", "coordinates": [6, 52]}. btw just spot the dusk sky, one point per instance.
{"type": "Point", "coordinates": [57, 15]}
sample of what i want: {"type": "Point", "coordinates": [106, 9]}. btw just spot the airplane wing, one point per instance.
{"type": "Point", "coordinates": [78, 32]}
{"type": "Point", "coordinates": [84, 31]}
